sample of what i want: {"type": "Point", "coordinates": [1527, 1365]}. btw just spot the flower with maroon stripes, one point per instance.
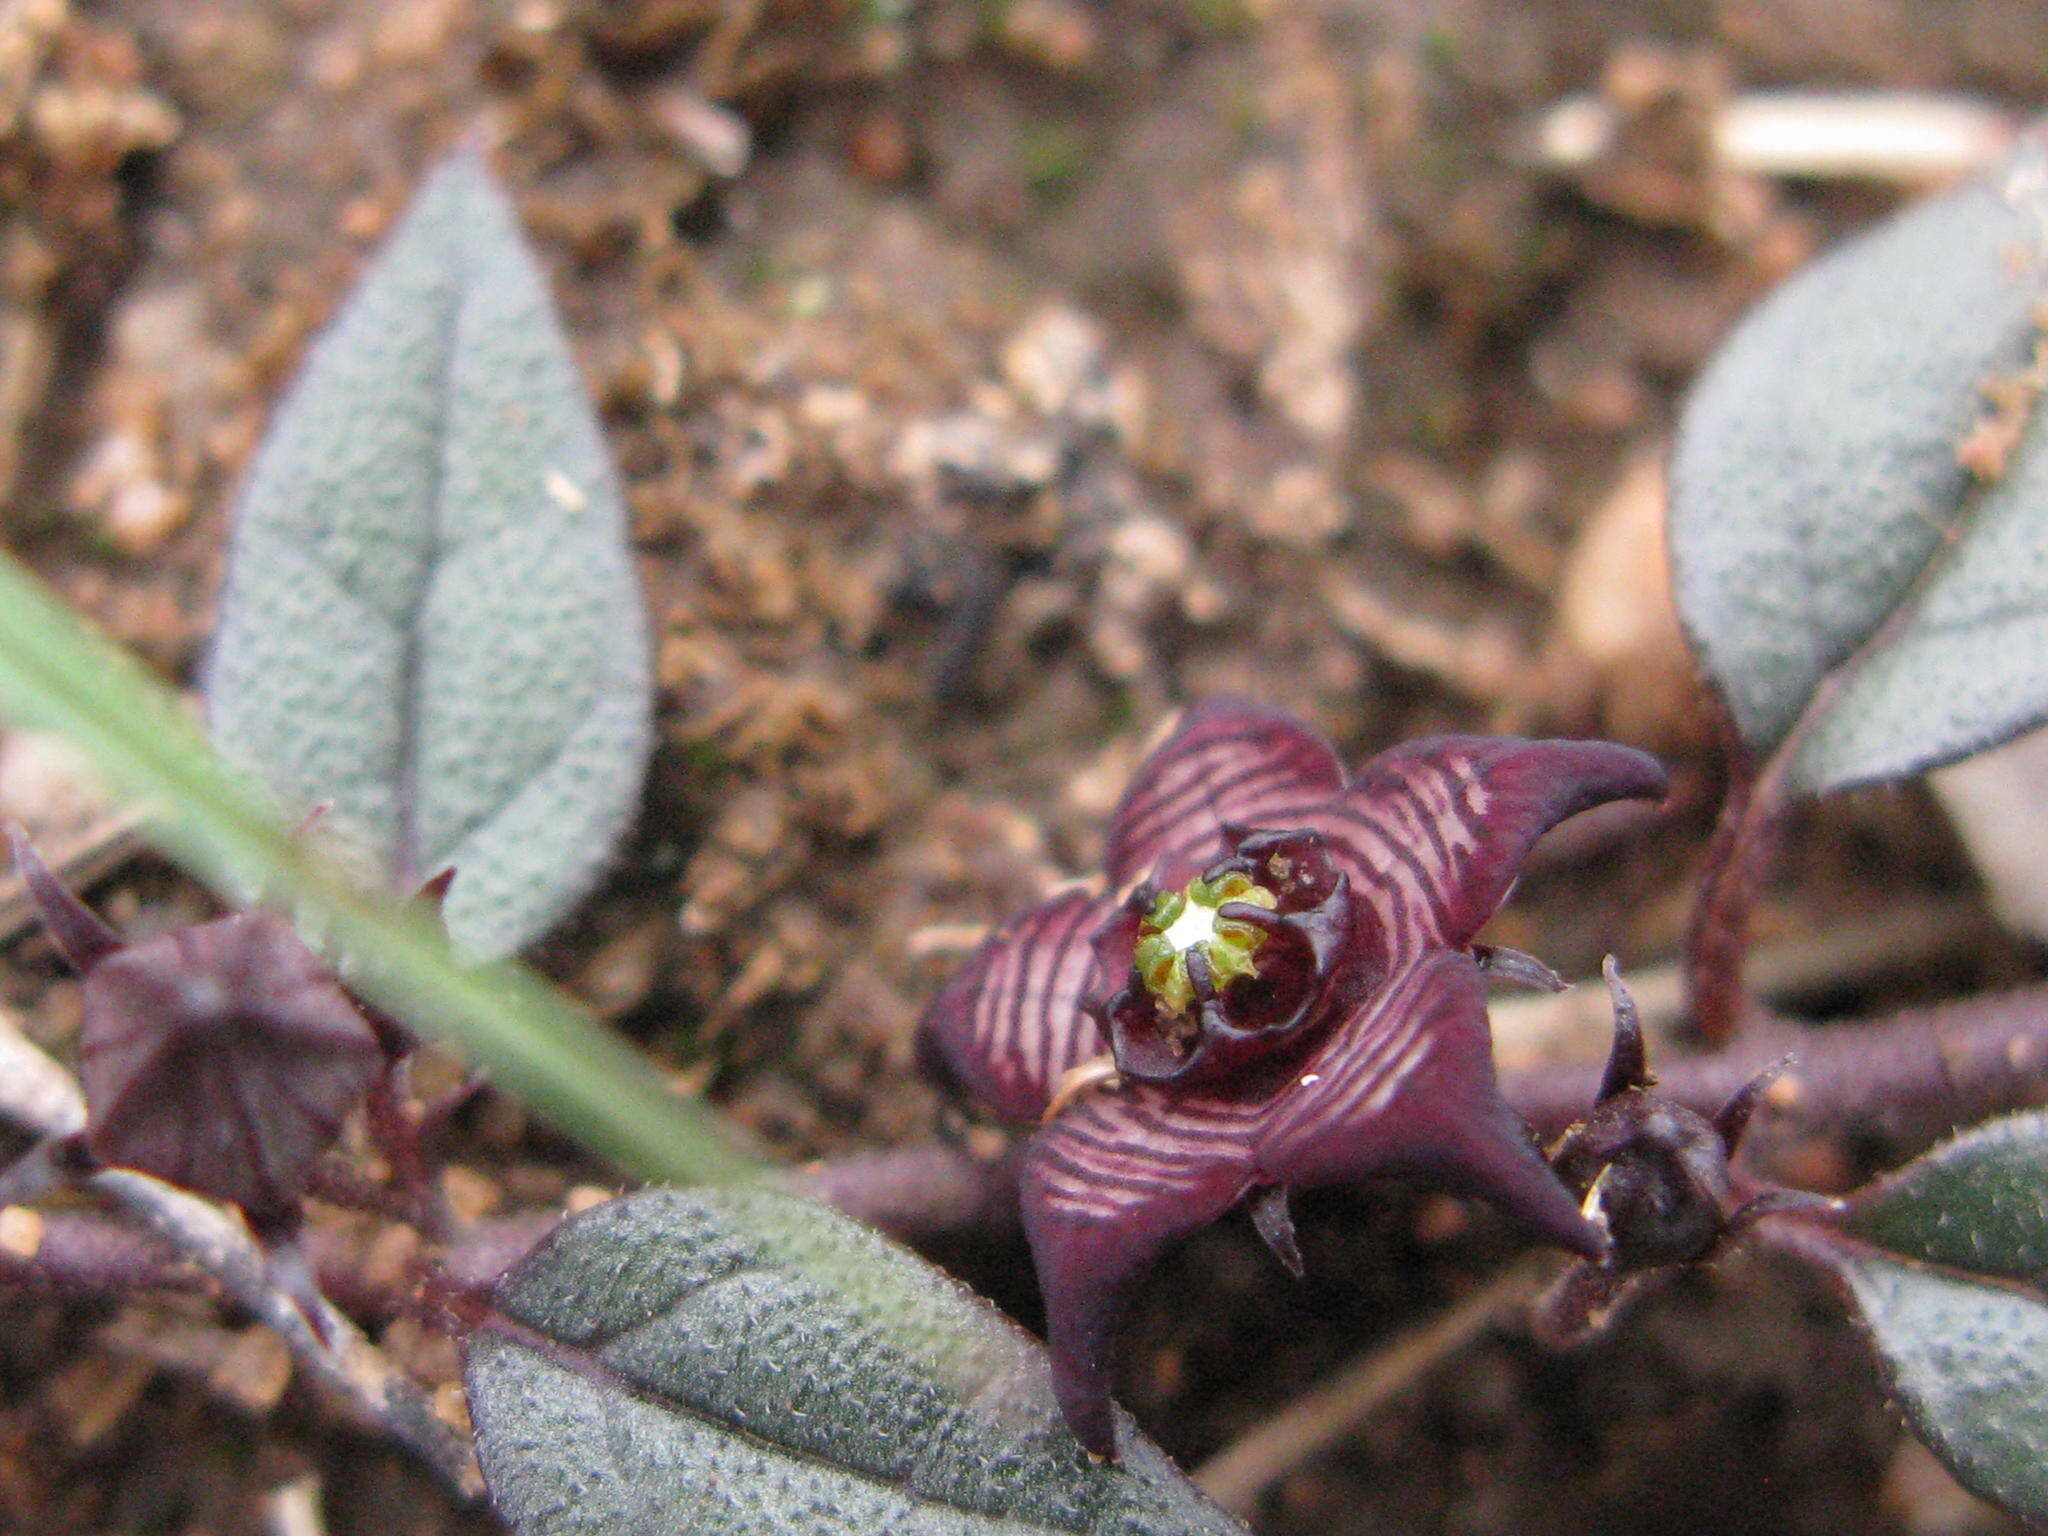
{"type": "Point", "coordinates": [1282, 990]}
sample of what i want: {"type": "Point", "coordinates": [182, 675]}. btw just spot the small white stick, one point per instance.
{"type": "Point", "coordinates": [1901, 137]}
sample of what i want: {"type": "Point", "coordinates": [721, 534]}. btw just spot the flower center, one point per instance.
{"type": "Point", "coordinates": [1186, 924]}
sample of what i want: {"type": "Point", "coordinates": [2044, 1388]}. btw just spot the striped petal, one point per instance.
{"type": "Point", "coordinates": [1226, 762]}
{"type": "Point", "coordinates": [1434, 832]}
{"type": "Point", "coordinates": [1105, 1188]}
{"type": "Point", "coordinates": [1009, 1025]}
{"type": "Point", "coordinates": [1407, 1085]}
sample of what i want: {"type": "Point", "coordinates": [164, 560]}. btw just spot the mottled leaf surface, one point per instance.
{"type": "Point", "coordinates": [1822, 506]}
{"type": "Point", "coordinates": [431, 623]}
{"type": "Point", "coordinates": [736, 1361]}
{"type": "Point", "coordinates": [1978, 1203]}
{"type": "Point", "coordinates": [1946, 1261]}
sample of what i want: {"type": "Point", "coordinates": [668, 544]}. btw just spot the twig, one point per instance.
{"type": "Point", "coordinates": [39, 1096]}
{"type": "Point", "coordinates": [320, 1338]}
{"type": "Point", "coordinates": [1327, 1413]}
{"type": "Point", "coordinates": [72, 1254]}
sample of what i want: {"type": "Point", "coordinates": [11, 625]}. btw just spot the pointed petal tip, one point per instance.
{"type": "Point", "coordinates": [1579, 775]}
{"type": "Point", "coordinates": [1628, 1064]}
{"type": "Point", "coordinates": [1586, 1238]}
{"type": "Point", "coordinates": [73, 929]}
{"type": "Point", "coordinates": [1085, 1405]}
{"type": "Point", "coordinates": [1570, 777]}
{"type": "Point", "coordinates": [1104, 1189]}
{"type": "Point", "coordinates": [1081, 1311]}
{"type": "Point", "coordinates": [1530, 1196]}
{"type": "Point", "coordinates": [1629, 773]}
{"type": "Point", "coordinates": [1733, 1118]}
{"type": "Point", "coordinates": [1440, 827]}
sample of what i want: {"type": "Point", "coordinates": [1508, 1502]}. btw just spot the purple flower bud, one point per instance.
{"type": "Point", "coordinates": [1654, 1174]}
{"type": "Point", "coordinates": [1655, 1177]}
{"type": "Point", "coordinates": [223, 1058]}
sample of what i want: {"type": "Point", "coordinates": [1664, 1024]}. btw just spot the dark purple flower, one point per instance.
{"type": "Point", "coordinates": [223, 1057]}
{"type": "Point", "coordinates": [1283, 992]}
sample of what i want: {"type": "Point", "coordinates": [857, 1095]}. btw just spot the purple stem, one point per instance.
{"type": "Point", "coordinates": [79, 1256]}
{"type": "Point", "coordinates": [1737, 858]}
{"type": "Point", "coordinates": [1911, 1078]}
{"type": "Point", "coordinates": [917, 1193]}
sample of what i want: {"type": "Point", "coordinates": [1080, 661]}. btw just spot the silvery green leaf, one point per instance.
{"type": "Point", "coordinates": [740, 1363]}
{"type": "Point", "coordinates": [1977, 1203]}
{"type": "Point", "coordinates": [431, 623]}
{"type": "Point", "coordinates": [1946, 1261]}
{"type": "Point", "coordinates": [1969, 1362]}
{"type": "Point", "coordinates": [1822, 509]}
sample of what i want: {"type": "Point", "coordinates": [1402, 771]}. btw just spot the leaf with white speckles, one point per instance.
{"type": "Point", "coordinates": [1857, 536]}
{"type": "Point", "coordinates": [1978, 1203]}
{"type": "Point", "coordinates": [431, 623]}
{"type": "Point", "coordinates": [740, 1363]}
{"type": "Point", "coordinates": [1946, 1260]}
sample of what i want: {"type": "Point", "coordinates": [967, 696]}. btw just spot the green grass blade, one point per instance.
{"type": "Point", "coordinates": [57, 674]}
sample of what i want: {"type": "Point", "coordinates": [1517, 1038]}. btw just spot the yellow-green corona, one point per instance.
{"type": "Point", "coordinates": [1186, 920]}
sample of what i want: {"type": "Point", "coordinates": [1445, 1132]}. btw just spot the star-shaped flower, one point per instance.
{"type": "Point", "coordinates": [1286, 984]}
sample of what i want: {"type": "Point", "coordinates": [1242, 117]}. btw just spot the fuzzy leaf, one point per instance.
{"type": "Point", "coordinates": [739, 1363]}
{"type": "Point", "coordinates": [431, 622]}
{"type": "Point", "coordinates": [1969, 1362]}
{"type": "Point", "coordinates": [1978, 1203]}
{"type": "Point", "coordinates": [1938, 1259]}
{"type": "Point", "coordinates": [1819, 489]}
{"type": "Point", "coordinates": [58, 675]}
